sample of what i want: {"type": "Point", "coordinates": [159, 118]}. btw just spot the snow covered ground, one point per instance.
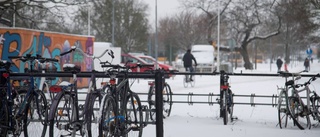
{"type": "Point", "coordinates": [202, 120]}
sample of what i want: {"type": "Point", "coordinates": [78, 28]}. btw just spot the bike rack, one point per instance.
{"type": "Point", "coordinates": [158, 76]}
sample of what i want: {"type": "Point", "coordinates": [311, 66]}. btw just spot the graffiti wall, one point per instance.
{"type": "Point", "coordinates": [20, 42]}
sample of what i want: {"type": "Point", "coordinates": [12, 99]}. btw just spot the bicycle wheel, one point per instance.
{"type": "Point", "coordinates": [224, 107]}
{"type": "Point", "coordinates": [316, 107]}
{"type": "Point", "coordinates": [167, 100]}
{"type": "Point", "coordinates": [134, 116]}
{"type": "Point", "coordinates": [298, 113]}
{"type": "Point", "coordinates": [108, 121]}
{"type": "Point", "coordinates": [230, 104]}
{"type": "Point", "coordinates": [193, 82]}
{"type": "Point", "coordinates": [282, 109]}
{"type": "Point", "coordinates": [4, 115]}
{"type": "Point", "coordinates": [151, 102]}
{"type": "Point", "coordinates": [62, 115]}
{"type": "Point", "coordinates": [185, 81]}
{"type": "Point", "coordinates": [92, 124]}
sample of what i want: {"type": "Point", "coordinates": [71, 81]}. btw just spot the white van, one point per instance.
{"type": "Point", "coordinates": [204, 55]}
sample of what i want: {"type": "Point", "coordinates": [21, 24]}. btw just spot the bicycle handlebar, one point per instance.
{"type": "Point", "coordinates": [32, 58]}
{"type": "Point", "coordinates": [73, 48]}
{"type": "Point", "coordinates": [126, 67]}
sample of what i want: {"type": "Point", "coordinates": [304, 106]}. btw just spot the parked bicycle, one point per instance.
{"type": "Point", "coordinates": [293, 105]}
{"type": "Point", "coordinates": [226, 98]}
{"type": "Point", "coordinates": [121, 110]}
{"type": "Point", "coordinates": [302, 109]}
{"type": "Point", "coordinates": [167, 98]}
{"type": "Point", "coordinates": [283, 99]}
{"type": "Point", "coordinates": [67, 117]}
{"type": "Point", "coordinates": [31, 112]}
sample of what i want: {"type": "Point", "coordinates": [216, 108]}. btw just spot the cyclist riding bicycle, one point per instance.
{"type": "Point", "coordinates": [187, 62]}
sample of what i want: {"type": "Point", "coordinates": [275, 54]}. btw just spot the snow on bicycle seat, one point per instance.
{"type": "Point", "coordinates": [71, 68]}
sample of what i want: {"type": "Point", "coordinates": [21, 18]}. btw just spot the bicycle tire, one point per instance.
{"type": "Point", "coordinates": [62, 115]}
{"type": "Point", "coordinates": [295, 109]}
{"type": "Point", "coordinates": [134, 115]}
{"type": "Point", "coordinates": [151, 102]}
{"type": "Point", "coordinates": [167, 100]}
{"type": "Point", "coordinates": [224, 108]}
{"type": "Point", "coordinates": [108, 112]}
{"type": "Point", "coordinates": [230, 104]}
{"type": "Point", "coordinates": [35, 115]}
{"type": "Point", "coordinates": [193, 82]}
{"type": "Point", "coordinates": [185, 81]}
{"type": "Point", "coordinates": [282, 109]}
{"type": "Point", "coordinates": [316, 107]}
{"type": "Point", "coordinates": [92, 125]}
{"type": "Point", "coordinates": [4, 114]}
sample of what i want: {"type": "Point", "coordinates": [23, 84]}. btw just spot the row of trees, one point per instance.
{"type": "Point", "coordinates": [288, 23]}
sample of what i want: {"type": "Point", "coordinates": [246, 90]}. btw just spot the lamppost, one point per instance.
{"type": "Point", "coordinates": [113, 1]}
{"type": "Point", "coordinates": [156, 37]}
{"type": "Point", "coordinates": [218, 39]}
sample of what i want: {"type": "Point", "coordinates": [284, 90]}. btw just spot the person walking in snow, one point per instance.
{"type": "Point", "coordinates": [279, 63]}
{"type": "Point", "coordinates": [307, 64]}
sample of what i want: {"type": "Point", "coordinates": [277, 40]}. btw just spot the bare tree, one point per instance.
{"type": "Point", "coordinates": [181, 31]}
{"type": "Point", "coordinates": [130, 23]}
{"type": "Point", "coordinates": [247, 21]}
{"type": "Point", "coordinates": [35, 13]}
{"type": "Point", "coordinates": [210, 10]}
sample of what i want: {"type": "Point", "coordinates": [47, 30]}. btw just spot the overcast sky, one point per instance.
{"type": "Point", "coordinates": [165, 7]}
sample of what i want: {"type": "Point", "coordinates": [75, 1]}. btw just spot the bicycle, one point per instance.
{"type": "Point", "coordinates": [283, 99]}
{"type": "Point", "coordinates": [32, 111]}
{"type": "Point", "coordinates": [167, 98]}
{"type": "Point", "coordinates": [187, 79]}
{"type": "Point", "coordinates": [299, 109]}
{"type": "Point", "coordinates": [293, 105]}
{"type": "Point", "coordinates": [6, 108]}
{"type": "Point", "coordinates": [65, 118]}
{"type": "Point", "coordinates": [226, 98]}
{"type": "Point", "coordinates": [121, 109]}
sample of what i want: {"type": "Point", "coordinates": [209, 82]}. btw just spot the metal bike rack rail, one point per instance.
{"type": "Point", "coordinates": [159, 79]}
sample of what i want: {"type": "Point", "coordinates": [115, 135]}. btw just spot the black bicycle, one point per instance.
{"type": "Point", "coordinates": [226, 100]}
{"type": "Point", "coordinates": [121, 109]}
{"type": "Point", "coordinates": [67, 117]}
{"type": "Point", "coordinates": [167, 98]}
{"type": "Point", "coordinates": [29, 106]}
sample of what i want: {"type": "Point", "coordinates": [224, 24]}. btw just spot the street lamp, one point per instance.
{"type": "Point", "coordinates": [156, 37]}
{"type": "Point", "coordinates": [113, 1]}
{"type": "Point", "coordinates": [218, 39]}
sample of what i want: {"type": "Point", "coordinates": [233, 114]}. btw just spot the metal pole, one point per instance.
{"type": "Point", "coordinates": [113, 3]}
{"type": "Point", "coordinates": [218, 39]}
{"type": "Point", "coordinates": [88, 20]}
{"type": "Point", "coordinates": [156, 37]}
{"type": "Point", "coordinates": [159, 103]}
{"type": "Point", "coordinates": [221, 91]}
{"type": "Point", "coordinates": [14, 16]}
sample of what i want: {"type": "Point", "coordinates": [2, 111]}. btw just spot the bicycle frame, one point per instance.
{"type": "Point", "coordinates": [25, 107]}
{"type": "Point", "coordinates": [119, 91]}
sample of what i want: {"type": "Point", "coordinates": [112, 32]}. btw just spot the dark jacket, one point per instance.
{"type": "Point", "coordinates": [306, 63]}
{"type": "Point", "coordinates": [187, 59]}
{"type": "Point", "coordinates": [279, 62]}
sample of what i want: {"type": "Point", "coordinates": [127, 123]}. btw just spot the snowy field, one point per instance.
{"type": "Point", "coordinates": [202, 120]}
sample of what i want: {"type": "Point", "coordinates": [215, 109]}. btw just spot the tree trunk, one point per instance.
{"type": "Point", "coordinates": [244, 53]}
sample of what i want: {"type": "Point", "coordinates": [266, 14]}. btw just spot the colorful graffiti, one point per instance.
{"type": "Point", "coordinates": [19, 42]}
